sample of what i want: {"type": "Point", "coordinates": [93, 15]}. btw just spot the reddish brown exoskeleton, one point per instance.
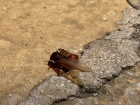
{"type": "Point", "coordinates": [69, 65]}
{"type": "Point", "coordinates": [68, 55]}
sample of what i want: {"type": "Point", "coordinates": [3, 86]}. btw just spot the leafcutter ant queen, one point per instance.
{"type": "Point", "coordinates": [68, 65]}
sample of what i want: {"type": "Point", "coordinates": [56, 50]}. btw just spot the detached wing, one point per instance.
{"type": "Point", "coordinates": [74, 64]}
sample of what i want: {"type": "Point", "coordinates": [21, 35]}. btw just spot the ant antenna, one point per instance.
{"type": "Point", "coordinates": [45, 58]}
{"type": "Point", "coordinates": [47, 52]}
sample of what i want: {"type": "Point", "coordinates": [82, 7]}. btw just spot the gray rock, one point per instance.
{"type": "Point", "coordinates": [12, 99]}
{"type": "Point", "coordinates": [134, 3]}
{"type": "Point", "coordinates": [132, 93]}
{"type": "Point", "coordinates": [130, 17]}
{"type": "Point", "coordinates": [125, 89]}
{"type": "Point", "coordinates": [107, 58]}
{"type": "Point", "coordinates": [80, 101]}
{"type": "Point", "coordinates": [55, 88]}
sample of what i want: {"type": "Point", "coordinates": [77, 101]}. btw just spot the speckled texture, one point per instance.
{"type": "Point", "coordinates": [134, 3]}
{"type": "Point", "coordinates": [108, 56]}
{"type": "Point", "coordinates": [12, 99]}
{"type": "Point", "coordinates": [76, 101]}
{"type": "Point", "coordinates": [55, 88]}
{"type": "Point", "coordinates": [124, 89]}
{"type": "Point", "coordinates": [130, 17]}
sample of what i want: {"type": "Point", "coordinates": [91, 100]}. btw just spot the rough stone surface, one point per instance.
{"type": "Point", "coordinates": [76, 101]}
{"type": "Point", "coordinates": [134, 3]}
{"type": "Point", "coordinates": [55, 88]}
{"type": "Point", "coordinates": [12, 99]}
{"type": "Point", "coordinates": [107, 58]}
{"type": "Point", "coordinates": [124, 89]}
{"type": "Point", "coordinates": [130, 17]}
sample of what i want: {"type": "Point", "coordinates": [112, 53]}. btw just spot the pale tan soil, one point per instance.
{"type": "Point", "coordinates": [29, 27]}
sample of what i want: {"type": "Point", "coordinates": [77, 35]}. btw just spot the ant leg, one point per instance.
{"type": "Point", "coordinates": [58, 71]}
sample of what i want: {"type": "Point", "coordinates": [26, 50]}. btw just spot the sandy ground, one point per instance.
{"type": "Point", "coordinates": [31, 27]}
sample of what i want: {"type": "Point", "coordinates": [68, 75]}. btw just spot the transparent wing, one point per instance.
{"type": "Point", "coordinates": [73, 75]}
{"type": "Point", "coordinates": [64, 52]}
{"type": "Point", "coordinates": [74, 64]}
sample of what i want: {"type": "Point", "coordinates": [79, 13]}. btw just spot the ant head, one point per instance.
{"type": "Point", "coordinates": [56, 56]}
